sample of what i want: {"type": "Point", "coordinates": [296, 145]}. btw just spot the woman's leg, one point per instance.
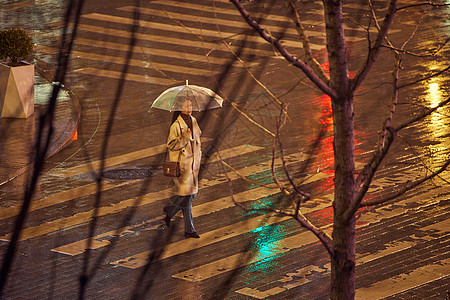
{"type": "Point", "coordinates": [187, 214]}
{"type": "Point", "coordinates": [177, 204]}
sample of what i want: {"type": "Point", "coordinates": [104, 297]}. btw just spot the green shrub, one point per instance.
{"type": "Point", "coordinates": [15, 45]}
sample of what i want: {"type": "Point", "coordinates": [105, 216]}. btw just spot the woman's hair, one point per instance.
{"type": "Point", "coordinates": [175, 115]}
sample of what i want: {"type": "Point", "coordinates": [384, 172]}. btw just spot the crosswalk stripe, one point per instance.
{"type": "Point", "coordinates": [101, 240]}
{"type": "Point", "coordinates": [174, 41]}
{"type": "Point", "coordinates": [86, 216]}
{"type": "Point", "coordinates": [60, 197]}
{"type": "Point", "coordinates": [151, 52]}
{"type": "Point", "coordinates": [228, 11]}
{"type": "Point", "coordinates": [403, 282]}
{"type": "Point", "coordinates": [208, 238]}
{"type": "Point", "coordinates": [143, 153]}
{"type": "Point", "coordinates": [287, 244]}
{"type": "Point", "coordinates": [241, 23]}
{"type": "Point", "coordinates": [229, 23]}
{"type": "Point", "coordinates": [146, 65]}
{"type": "Point", "coordinates": [288, 281]}
{"type": "Point", "coordinates": [241, 259]}
{"type": "Point", "coordinates": [109, 162]}
{"type": "Point", "coordinates": [149, 198]}
{"type": "Point", "coordinates": [196, 31]}
{"type": "Point", "coordinates": [129, 76]}
{"type": "Point", "coordinates": [217, 235]}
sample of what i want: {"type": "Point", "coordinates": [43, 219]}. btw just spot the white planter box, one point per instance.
{"type": "Point", "coordinates": [17, 91]}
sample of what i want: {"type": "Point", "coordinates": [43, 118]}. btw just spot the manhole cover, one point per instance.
{"type": "Point", "coordinates": [127, 174]}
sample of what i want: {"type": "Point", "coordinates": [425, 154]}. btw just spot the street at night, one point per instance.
{"type": "Point", "coordinates": [95, 227]}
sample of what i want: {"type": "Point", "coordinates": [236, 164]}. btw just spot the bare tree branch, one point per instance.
{"type": "Point", "coordinates": [423, 4]}
{"type": "Point", "coordinates": [367, 174]}
{"type": "Point", "coordinates": [309, 58]}
{"type": "Point", "coordinates": [425, 78]}
{"type": "Point", "coordinates": [281, 121]}
{"type": "Point", "coordinates": [370, 169]}
{"type": "Point", "coordinates": [319, 233]}
{"type": "Point", "coordinates": [289, 57]}
{"type": "Point", "coordinates": [375, 50]}
{"type": "Point", "coordinates": [408, 186]}
{"type": "Point", "coordinates": [422, 115]}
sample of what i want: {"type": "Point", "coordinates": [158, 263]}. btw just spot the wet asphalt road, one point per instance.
{"type": "Point", "coordinates": [402, 247]}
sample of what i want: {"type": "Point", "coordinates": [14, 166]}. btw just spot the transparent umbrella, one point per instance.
{"type": "Point", "coordinates": [173, 98]}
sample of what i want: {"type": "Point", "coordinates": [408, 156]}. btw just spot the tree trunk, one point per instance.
{"type": "Point", "coordinates": [343, 261]}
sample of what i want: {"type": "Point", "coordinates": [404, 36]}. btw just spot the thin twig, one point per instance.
{"type": "Point", "coordinates": [408, 186]}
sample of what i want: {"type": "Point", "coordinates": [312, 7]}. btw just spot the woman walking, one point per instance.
{"type": "Point", "coordinates": [184, 146]}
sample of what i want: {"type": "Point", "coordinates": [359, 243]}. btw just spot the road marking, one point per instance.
{"type": "Point", "coordinates": [285, 245]}
{"type": "Point", "coordinates": [128, 76]}
{"type": "Point", "coordinates": [146, 65]}
{"type": "Point", "coordinates": [143, 153]}
{"type": "Point", "coordinates": [241, 23]}
{"type": "Point", "coordinates": [242, 259]}
{"type": "Point", "coordinates": [102, 240]}
{"type": "Point", "coordinates": [175, 41]}
{"type": "Point", "coordinates": [86, 216]}
{"type": "Point", "coordinates": [292, 280]}
{"type": "Point", "coordinates": [151, 52]}
{"type": "Point", "coordinates": [149, 198]}
{"type": "Point", "coordinates": [78, 247]}
{"type": "Point", "coordinates": [404, 282]}
{"type": "Point", "coordinates": [58, 198]}
{"type": "Point", "coordinates": [177, 28]}
{"type": "Point", "coordinates": [109, 162]}
{"type": "Point", "coordinates": [208, 238]}
{"type": "Point", "coordinates": [229, 23]}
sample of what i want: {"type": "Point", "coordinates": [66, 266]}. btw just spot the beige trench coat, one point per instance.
{"type": "Point", "coordinates": [187, 150]}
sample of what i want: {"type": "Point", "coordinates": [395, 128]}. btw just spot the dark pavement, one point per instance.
{"type": "Point", "coordinates": [118, 241]}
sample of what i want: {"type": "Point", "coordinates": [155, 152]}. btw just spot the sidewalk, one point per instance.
{"type": "Point", "coordinates": [17, 136]}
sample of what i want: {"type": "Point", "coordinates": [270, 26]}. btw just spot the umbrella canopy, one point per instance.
{"type": "Point", "coordinates": [173, 98]}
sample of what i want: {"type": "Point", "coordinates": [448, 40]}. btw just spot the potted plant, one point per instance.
{"type": "Point", "coordinates": [16, 75]}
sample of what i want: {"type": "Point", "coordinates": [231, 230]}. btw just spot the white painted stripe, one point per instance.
{"type": "Point", "coordinates": [196, 31]}
{"type": "Point", "coordinates": [227, 264]}
{"type": "Point", "coordinates": [152, 52]}
{"type": "Point", "coordinates": [128, 76]}
{"type": "Point", "coordinates": [109, 162]}
{"type": "Point", "coordinates": [290, 281]}
{"type": "Point", "coordinates": [224, 22]}
{"type": "Point", "coordinates": [206, 46]}
{"type": "Point", "coordinates": [78, 247]}
{"type": "Point", "coordinates": [86, 216]}
{"type": "Point", "coordinates": [146, 65]}
{"type": "Point", "coordinates": [404, 282]}
{"type": "Point", "coordinates": [208, 238]}
{"type": "Point", "coordinates": [102, 240]}
{"type": "Point", "coordinates": [143, 153]}
{"type": "Point", "coordinates": [234, 12]}
{"type": "Point", "coordinates": [60, 197]}
{"type": "Point", "coordinates": [238, 260]}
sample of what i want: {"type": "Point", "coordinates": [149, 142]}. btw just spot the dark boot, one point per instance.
{"type": "Point", "coordinates": [191, 235]}
{"type": "Point", "coordinates": [166, 218]}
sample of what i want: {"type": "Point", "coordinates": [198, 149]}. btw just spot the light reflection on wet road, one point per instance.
{"type": "Point", "coordinates": [274, 249]}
